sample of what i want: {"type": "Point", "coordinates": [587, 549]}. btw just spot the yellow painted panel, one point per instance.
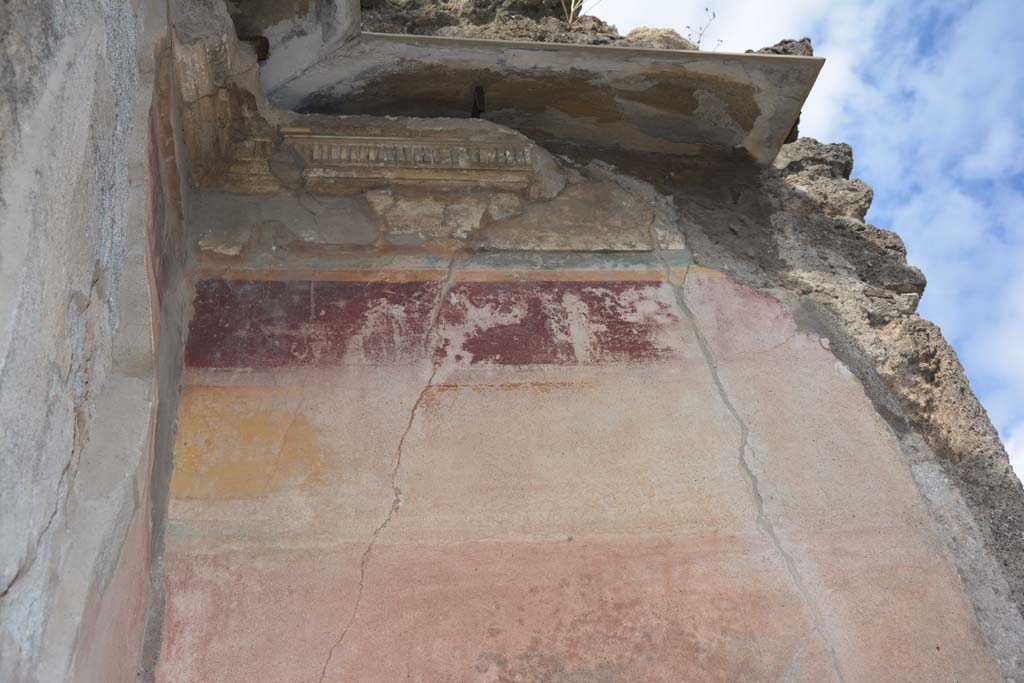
{"type": "Point", "coordinates": [237, 442]}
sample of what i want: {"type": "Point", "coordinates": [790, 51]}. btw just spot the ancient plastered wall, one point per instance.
{"type": "Point", "coordinates": [797, 233]}
{"type": "Point", "coordinates": [788, 233]}
{"type": "Point", "coordinates": [80, 186]}
{"type": "Point", "coordinates": [835, 483]}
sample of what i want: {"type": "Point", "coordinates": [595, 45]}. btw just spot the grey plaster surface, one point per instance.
{"type": "Point", "coordinates": [67, 90]}
{"type": "Point", "coordinates": [228, 223]}
{"type": "Point", "coordinates": [77, 389]}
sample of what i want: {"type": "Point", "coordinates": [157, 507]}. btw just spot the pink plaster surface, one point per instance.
{"type": "Point", "coordinates": [632, 608]}
{"type": "Point", "coordinates": [839, 495]}
{"type": "Point", "coordinates": [269, 615]}
{"type": "Point", "coordinates": [109, 648]}
{"type": "Point", "coordinates": [560, 521]}
{"type": "Point", "coordinates": [639, 609]}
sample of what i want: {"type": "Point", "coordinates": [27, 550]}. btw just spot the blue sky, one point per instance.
{"type": "Point", "coordinates": [930, 94]}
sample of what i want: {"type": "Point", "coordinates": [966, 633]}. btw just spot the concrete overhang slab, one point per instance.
{"type": "Point", "coordinates": [685, 103]}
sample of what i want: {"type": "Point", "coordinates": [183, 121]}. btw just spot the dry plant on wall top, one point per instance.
{"type": "Point", "coordinates": [696, 34]}
{"type": "Point", "coordinates": [574, 9]}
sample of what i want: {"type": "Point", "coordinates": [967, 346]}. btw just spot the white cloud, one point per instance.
{"type": "Point", "coordinates": [929, 94]}
{"type": "Point", "coordinates": [1015, 447]}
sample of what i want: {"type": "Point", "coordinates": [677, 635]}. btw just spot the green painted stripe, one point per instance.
{"type": "Point", "coordinates": [519, 260]}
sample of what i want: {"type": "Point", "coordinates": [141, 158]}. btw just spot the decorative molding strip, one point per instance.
{"type": "Point", "coordinates": [341, 164]}
{"type": "Point", "coordinates": [333, 150]}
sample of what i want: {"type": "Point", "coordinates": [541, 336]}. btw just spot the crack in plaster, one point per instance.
{"type": "Point", "coordinates": [792, 666]}
{"type": "Point", "coordinates": [30, 561]}
{"type": "Point", "coordinates": [62, 494]}
{"type": "Point", "coordinates": [396, 501]}
{"type": "Point", "coordinates": [774, 347]}
{"type": "Point", "coordinates": [761, 519]}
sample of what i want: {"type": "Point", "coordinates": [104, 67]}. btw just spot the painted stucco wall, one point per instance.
{"type": "Point", "coordinates": [93, 297]}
